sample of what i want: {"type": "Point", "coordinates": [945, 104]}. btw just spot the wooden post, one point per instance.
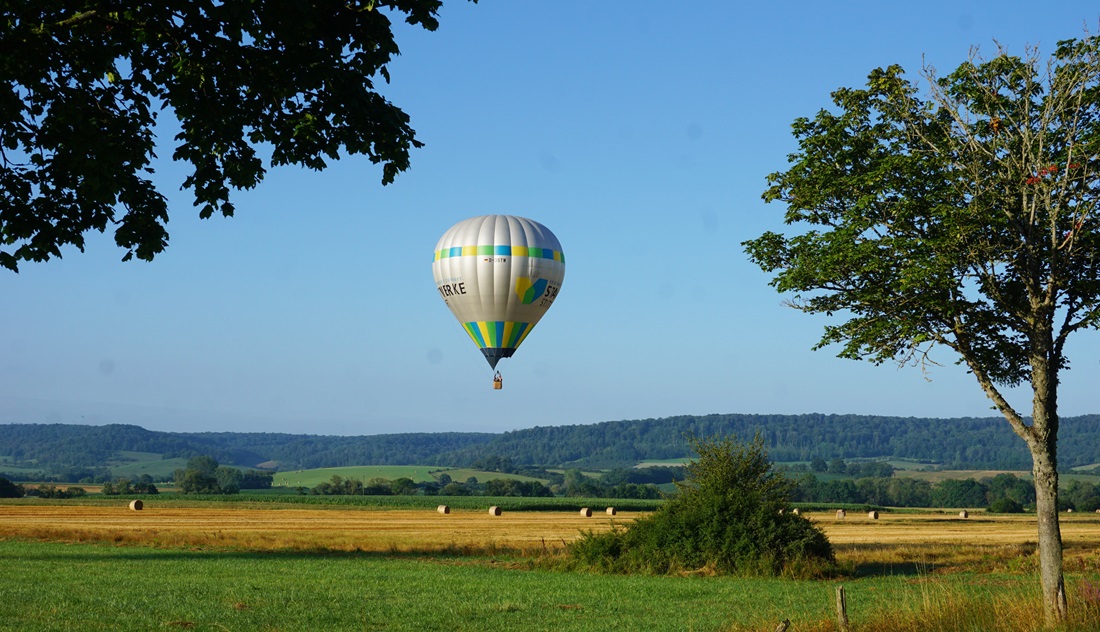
{"type": "Point", "coordinates": [841, 610]}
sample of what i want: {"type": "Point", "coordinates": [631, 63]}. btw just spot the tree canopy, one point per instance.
{"type": "Point", "coordinates": [965, 219]}
{"type": "Point", "coordinates": [83, 84]}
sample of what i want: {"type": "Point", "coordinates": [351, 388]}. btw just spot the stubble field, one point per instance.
{"type": "Point", "coordinates": [410, 530]}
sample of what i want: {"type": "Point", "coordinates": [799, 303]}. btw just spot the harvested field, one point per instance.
{"type": "Point", "coordinates": [949, 528]}
{"type": "Point", "coordinates": [472, 531]}
{"type": "Point", "coordinates": [400, 530]}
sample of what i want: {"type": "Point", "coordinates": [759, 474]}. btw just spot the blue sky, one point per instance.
{"type": "Point", "coordinates": [640, 135]}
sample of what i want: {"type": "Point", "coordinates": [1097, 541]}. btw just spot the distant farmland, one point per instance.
{"type": "Point", "coordinates": [418, 473]}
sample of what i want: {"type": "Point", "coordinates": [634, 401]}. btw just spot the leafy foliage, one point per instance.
{"type": "Point", "coordinates": [203, 475]}
{"type": "Point", "coordinates": [730, 516]}
{"type": "Point", "coordinates": [126, 487]}
{"type": "Point", "coordinates": [1005, 505]}
{"type": "Point", "coordinates": [54, 492]}
{"type": "Point", "coordinates": [83, 84]}
{"type": "Point", "coordinates": [967, 219]}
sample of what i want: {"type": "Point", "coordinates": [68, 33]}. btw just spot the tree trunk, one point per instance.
{"type": "Point", "coordinates": [1043, 443]}
{"type": "Point", "coordinates": [1050, 536]}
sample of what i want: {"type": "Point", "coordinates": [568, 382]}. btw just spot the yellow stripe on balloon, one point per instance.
{"type": "Point", "coordinates": [483, 327]}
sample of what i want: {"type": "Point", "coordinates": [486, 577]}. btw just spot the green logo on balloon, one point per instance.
{"type": "Point", "coordinates": [529, 291]}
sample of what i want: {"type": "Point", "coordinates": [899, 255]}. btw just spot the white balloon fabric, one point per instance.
{"type": "Point", "coordinates": [498, 274]}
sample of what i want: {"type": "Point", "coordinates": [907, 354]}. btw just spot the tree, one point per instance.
{"type": "Point", "coordinates": [1081, 496]}
{"type": "Point", "coordinates": [403, 486]}
{"type": "Point", "coordinates": [1012, 487]}
{"type": "Point", "coordinates": [195, 482]}
{"type": "Point", "coordinates": [84, 81]}
{"type": "Point", "coordinates": [201, 476]}
{"type": "Point", "coordinates": [228, 480]}
{"type": "Point", "coordinates": [838, 466]}
{"type": "Point", "coordinates": [959, 493]}
{"type": "Point", "coordinates": [965, 219]}
{"type": "Point", "coordinates": [729, 516]}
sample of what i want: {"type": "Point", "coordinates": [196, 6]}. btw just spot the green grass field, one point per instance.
{"type": "Point", "coordinates": [663, 462]}
{"type": "Point", "coordinates": [64, 569]}
{"type": "Point", "coordinates": [133, 464]}
{"type": "Point", "coordinates": [94, 587]}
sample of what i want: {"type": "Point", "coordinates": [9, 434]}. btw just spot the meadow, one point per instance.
{"type": "Point", "coordinates": [194, 564]}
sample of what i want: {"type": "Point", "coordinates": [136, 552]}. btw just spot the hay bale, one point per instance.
{"type": "Point", "coordinates": [796, 511]}
{"type": "Point", "coordinates": [586, 512]}
{"type": "Point", "coordinates": [964, 514]}
{"type": "Point", "coordinates": [782, 511]}
{"type": "Point", "coordinates": [494, 511]}
{"type": "Point", "coordinates": [873, 515]}
{"type": "Point", "coordinates": [840, 514]}
{"type": "Point", "coordinates": [611, 511]}
{"type": "Point", "coordinates": [136, 505]}
{"type": "Point", "coordinates": [443, 509]}
{"type": "Point", "coordinates": [1069, 511]}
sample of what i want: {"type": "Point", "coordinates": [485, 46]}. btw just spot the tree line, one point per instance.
{"type": "Point", "coordinates": [961, 443]}
{"type": "Point", "coordinates": [70, 453]}
{"type": "Point", "coordinates": [1003, 493]}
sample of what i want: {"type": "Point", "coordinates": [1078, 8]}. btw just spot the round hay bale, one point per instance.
{"type": "Point", "coordinates": [840, 514]}
{"type": "Point", "coordinates": [782, 511]}
{"type": "Point", "coordinates": [136, 505]}
{"type": "Point", "coordinates": [873, 515]}
{"type": "Point", "coordinates": [1069, 511]}
{"type": "Point", "coordinates": [443, 509]}
{"type": "Point", "coordinates": [964, 514]}
{"type": "Point", "coordinates": [494, 511]}
{"type": "Point", "coordinates": [586, 512]}
{"type": "Point", "coordinates": [1098, 511]}
{"type": "Point", "coordinates": [611, 511]}
{"type": "Point", "coordinates": [796, 511]}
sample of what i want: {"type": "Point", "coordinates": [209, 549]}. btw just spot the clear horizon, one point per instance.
{"type": "Point", "coordinates": [640, 136]}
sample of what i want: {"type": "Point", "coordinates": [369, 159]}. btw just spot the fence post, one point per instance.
{"type": "Point", "coordinates": [841, 610]}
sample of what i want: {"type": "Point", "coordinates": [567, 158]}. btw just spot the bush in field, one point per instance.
{"type": "Point", "coordinates": [1005, 505]}
{"type": "Point", "coordinates": [731, 516]}
{"type": "Point", "coordinates": [9, 489]}
{"type": "Point", "coordinates": [54, 492]}
{"type": "Point", "coordinates": [124, 487]}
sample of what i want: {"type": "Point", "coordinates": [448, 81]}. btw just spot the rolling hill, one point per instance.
{"type": "Point", "coordinates": [962, 443]}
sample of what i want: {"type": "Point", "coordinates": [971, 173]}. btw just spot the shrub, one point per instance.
{"type": "Point", "coordinates": [9, 489]}
{"type": "Point", "coordinates": [1005, 505]}
{"type": "Point", "coordinates": [731, 516]}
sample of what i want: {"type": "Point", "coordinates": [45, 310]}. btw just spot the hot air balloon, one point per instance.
{"type": "Point", "coordinates": [498, 274]}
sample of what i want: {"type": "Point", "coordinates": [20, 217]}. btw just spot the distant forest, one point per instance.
{"type": "Point", "coordinates": [962, 443]}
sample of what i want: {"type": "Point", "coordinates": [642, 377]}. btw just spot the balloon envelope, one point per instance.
{"type": "Point", "coordinates": [498, 274]}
